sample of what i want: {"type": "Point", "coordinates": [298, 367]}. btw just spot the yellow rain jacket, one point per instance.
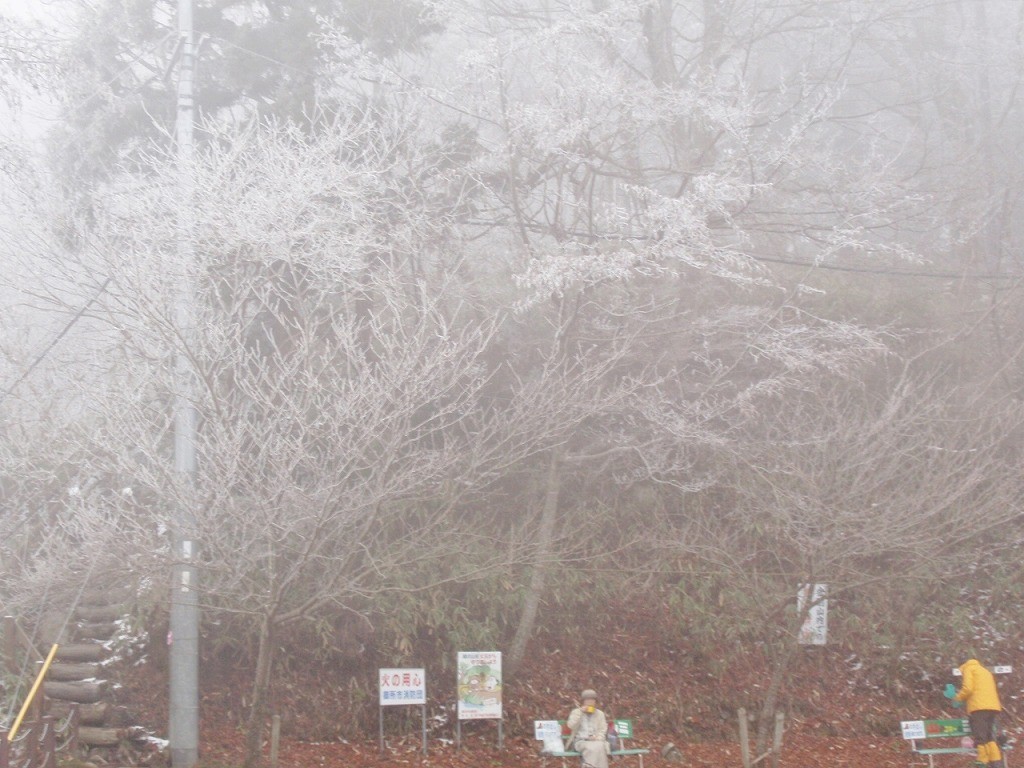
{"type": "Point", "coordinates": [978, 689]}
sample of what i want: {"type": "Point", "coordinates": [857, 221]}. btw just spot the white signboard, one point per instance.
{"type": "Point", "coordinates": [550, 733]}
{"type": "Point", "coordinates": [815, 627]}
{"type": "Point", "coordinates": [479, 685]}
{"type": "Point", "coordinates": [912, 729]}
{"type": "Point", "coordinates": [402, 686]}
{"type": "Point", "coordinates": [1002, 669]}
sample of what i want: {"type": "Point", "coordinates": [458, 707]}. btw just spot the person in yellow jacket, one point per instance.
{"type": "Point", "coordinates": [978, 692]}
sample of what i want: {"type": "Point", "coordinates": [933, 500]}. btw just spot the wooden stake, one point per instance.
{"type": "Point", "coordinates": [275, 739]}
{"type": "Point", "coordinates": [777, 740]}
{"type": "Point", "coordinates": [744, 738]}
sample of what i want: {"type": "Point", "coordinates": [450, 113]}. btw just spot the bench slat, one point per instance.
{"type": "Point", "coordinates": [919, 732]}
{"type": "Point", "coordinates": [614, 753]}
{"type": "Point", "coordinates": [624, 730]}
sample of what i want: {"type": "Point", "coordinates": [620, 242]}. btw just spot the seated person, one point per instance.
{"type": "Point", "coordinates": [588, 731]}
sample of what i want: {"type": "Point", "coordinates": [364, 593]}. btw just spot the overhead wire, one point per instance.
{"type": "Point", "coordinates": [79, 104]}
{"type": "Point", "coordinates": [24, 665]}
{"type": "Point", "coordinates": [56, 339]}
{"type": "Point", "coordinates": [759, 257]}
{"type": "Point", "coordinates": [22, 676]}
{"type": "Point", "coordinates": [98, 91]}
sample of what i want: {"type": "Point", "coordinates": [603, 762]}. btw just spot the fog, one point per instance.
{"type": "Point", "coordinates": [733, 284]}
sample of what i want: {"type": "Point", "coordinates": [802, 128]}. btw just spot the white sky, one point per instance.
{"type": "Point", "coordinates": [32, 117]}
{"type": "Point", "coordinates": [22, 130]}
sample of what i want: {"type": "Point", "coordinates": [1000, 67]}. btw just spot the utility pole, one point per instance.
{"type": "Point", "coordinates": [183, 637]}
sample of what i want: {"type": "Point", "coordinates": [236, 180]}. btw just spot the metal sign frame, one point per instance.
{"type": "Point", "coordinates": [492, 661]}
{"type": "Point", "coordinates": [411, 684]}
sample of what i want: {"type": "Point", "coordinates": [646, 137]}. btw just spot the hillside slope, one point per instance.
{"type": "Point", "coordinates": [840, 711]}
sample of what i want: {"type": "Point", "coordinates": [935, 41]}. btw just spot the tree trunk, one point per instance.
{"type": "Point", "coordinates": [260, 693]}
{"type": "Point", "coordinates": [99, 613]}
{"type": "Point", "coordinates": [83, 691]}
{"type": "Point", "coordinates": [101, 737]}
{"type": "Point", "coordinates": [766, 718]}
{"type": "Point", "coordinates": [538, 577]}
{"type": "Point", "coordinates": [67, 671]}
{"type": "Point", "coordinates": [97, 631]}
{"type": "Point", "coordinates": [88, 714]}
{"type": "Point", "coordinates": [81, 652]}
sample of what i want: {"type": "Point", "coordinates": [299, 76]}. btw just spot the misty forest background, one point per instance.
{"type": "Point", "coordinates": [503, 313]}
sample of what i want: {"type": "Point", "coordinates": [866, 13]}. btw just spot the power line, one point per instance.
{"type": "Point", "coordinates": [889, 271]}
{"type": "Point", "coordinates": [263, 56]}
{"type": "Point", "coordinates": [56, 339]}
{"type": "Point", "coordinates": [99, 90]}
{"type": "Point", "coordinates": [895, 272]}
{"type": "Point", "coordinates": [804, 264]}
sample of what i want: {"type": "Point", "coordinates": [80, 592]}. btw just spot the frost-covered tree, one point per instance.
{"type": "Point", "coordinates": [256, 60]}
{"type": "Point", "coordinates": [345, 381]}
{"type": "Point", "coordinates": [872, 490]}
{"type": "Point", "coordinates": [637, 168]}
{"type": "Point", "coordinates": [623, 176]}
{"type": "Point", "coordinates": [634, 164]}
{"type": "Point", "coordinates": [27, 57]}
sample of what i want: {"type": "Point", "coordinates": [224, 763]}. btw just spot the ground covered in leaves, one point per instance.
{"type": "Point", "coordinates": [840, 712]}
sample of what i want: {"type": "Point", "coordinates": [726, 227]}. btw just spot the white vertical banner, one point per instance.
{"type": "Point", "coordinates": [814, 630]}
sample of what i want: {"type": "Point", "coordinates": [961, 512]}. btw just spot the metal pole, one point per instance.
{"type": "Point", "coordinates": [424, 729]}
{"type": "Point", "coordinates": [183, 638]}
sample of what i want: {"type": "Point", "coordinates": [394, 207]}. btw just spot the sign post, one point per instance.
{"type": "Point", "coordinates": [479, 690]}
{"type": "Point", "coordinates": [402, 687]}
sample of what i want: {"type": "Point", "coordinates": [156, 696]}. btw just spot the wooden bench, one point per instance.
{"type": "Point", "coordinates": [921, 732]}
{"type": "Point", "coordinates": [623, 728]}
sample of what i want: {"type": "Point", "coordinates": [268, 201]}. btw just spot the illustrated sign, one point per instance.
{"type": "Point", "coordinates": [815, 627]}
{"type": "Point", "coordinates": [955, 727]}
{"type": "Point", "coordinates": [402, 686]}
{"type": "Point", "coordinates": [479, 685]}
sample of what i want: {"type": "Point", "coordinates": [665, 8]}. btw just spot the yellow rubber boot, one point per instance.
{"type": "Point", "coordinates": [982, 758]}
{"type": "Point", "coordinates": [995, 756]}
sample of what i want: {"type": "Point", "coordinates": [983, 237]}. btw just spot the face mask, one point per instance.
{"type": "Point", "coordinates": [589, 709]}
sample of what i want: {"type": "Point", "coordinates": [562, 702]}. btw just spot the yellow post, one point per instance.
{"type": "Point", "coordinates": [32, 693]}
